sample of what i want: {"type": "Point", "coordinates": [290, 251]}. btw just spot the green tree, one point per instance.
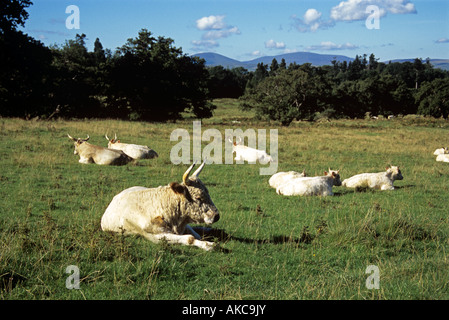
{"type": "Point", "coordinates": [433, 98]}
{"type": "Point", "coordinates": [291, 94]}
{"type": "Point", "coordinates": [150, 79]}
{"type": "Point", "coordinates": [24, 65]}
{"type": "Point", "coordinates": [75, 80]}
{"type": "Point", "coordinates": [273, 67]}
{"type": "Point", "coordinates": [13, 14]}
{"type": "Point", "coordinates": [227, 83]}
{"type": "Point", "coordinates": [259, 74]}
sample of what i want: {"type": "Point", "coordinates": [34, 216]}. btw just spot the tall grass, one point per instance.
{"type": "Point", "coordinates": [271, 247]}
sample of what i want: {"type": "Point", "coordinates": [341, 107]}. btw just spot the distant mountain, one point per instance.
{"type": "Point", "coordinates": [299, 58]}
{"type": "Point", "coordinates": [215, 59]}
{"type": "Point", "coordinates": [437, 63]}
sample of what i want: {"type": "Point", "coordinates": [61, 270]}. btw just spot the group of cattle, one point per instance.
{"type": "Point", "coordinates": [293, 183]}
{"type": "Point", "coordinates": [116, 153]}
{"type": "Point", "coordinates": [165, 212]}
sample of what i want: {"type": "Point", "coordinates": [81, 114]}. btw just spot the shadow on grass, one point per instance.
{"type": "Point", "coordinates": [221, 236]}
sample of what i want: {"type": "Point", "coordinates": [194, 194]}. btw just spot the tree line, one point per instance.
{"type": "Point", "coordinates": [352, 89]}
{"type": "Point", "coordinates": [149, 79]}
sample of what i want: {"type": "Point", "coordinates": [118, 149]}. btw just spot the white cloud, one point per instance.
{"type": "Point", "coordinates": [218, 34]}
{"type": "Point", "coordinates": [211, 23]}
{"type": "Point", "coordinates": [353, 10]}
{"type": "Point", "coordinates": [329, 45]}
{"type": "Point", "coordinates": [311, 15]}
{"type": "Point", "coordinates": [311, 21]}
{"type": "Point", "coordinates": [442, 40]}
{"type": "Point", "coordinates": [271, 44]}
{"type": "Point", "coordinates": [205, 43]}
{"type": "Point", "coordinates": [214, 28]}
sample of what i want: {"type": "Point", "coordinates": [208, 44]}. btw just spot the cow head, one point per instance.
{"type": "Point", "coordinates": [394, 172]}
{"type": "Point", "coordinates": [111, 141]}
{"type": "Point", "coordinates": [335, 175]}
{"type": "Point", "coordinates": [200, 207]}
{"type": "Point", "coordinates": [77, 142]}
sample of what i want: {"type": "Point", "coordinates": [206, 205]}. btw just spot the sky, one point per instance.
{"type": "Point", "coordinates": [247, 29]}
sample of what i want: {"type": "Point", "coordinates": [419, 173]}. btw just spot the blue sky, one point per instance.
{"type": "Point", "coordinates": [246, 29]}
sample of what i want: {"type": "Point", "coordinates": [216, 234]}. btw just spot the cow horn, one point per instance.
{"type": "Point", "coordinates": [106, 136]}
{"type": "Point", "coordinates": [198, 171]}
{"type": "Point", "coordinates": [186, 174]}
{"type": "Point", "coordinates": [87, 138]}
{"type": "Point", "coordinates": [71, 137]}
{"type": "Point", "coordinates": [115, 137]}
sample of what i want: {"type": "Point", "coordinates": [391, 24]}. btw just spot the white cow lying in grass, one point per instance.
{"type": "Point", "coordinates": [311, 186]}
{"type": "Point", "coordinates": [135, 151]}
{"type": "Point", "coordinates": [380, 180]}
{"type": "Point", "coordinates": [281, 178]}
{"type": "Point", "coordinates": [163, 212]}
{"type": "Point", "coordinates": [443, 157]}
{"type": "Point", "coordinates": [444, 150]}
{"type": "Point", "coordinates": [251, 155]}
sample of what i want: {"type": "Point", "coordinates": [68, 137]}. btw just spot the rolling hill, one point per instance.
{"type": "Point", "coordinates": [215, 59]}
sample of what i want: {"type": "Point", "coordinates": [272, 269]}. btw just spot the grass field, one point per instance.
{"type": "Point", "coordinates": [271, 247]}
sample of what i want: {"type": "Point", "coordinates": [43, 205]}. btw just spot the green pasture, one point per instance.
{"type": "Point", "coordinates": [270, 246]}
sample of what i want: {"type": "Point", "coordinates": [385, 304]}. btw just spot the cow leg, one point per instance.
{"type": "Point", "coordinates": [185, 239]}
{"type": "Point", "coordinates": [85, 160]}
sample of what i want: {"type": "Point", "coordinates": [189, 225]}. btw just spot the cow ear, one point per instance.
{"type": "Point", "coordinates": [177, 188]}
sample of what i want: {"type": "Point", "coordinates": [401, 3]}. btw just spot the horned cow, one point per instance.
{"type": "Point", "coordinates": [90, 153]}
{"type": "Point", "coordinates": [163, 212]}
{"type": "Point", "coordinates": [135, 151]}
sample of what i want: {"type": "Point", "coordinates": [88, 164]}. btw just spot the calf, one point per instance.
{"type": "Point", "coordinates": [163, 212]}
{"type": "Point", "coordinates": [90, 153]}
{"type": "Point", "coordinates": [380, 180]}
{"type": "Point", "coordinates": [311, 186]}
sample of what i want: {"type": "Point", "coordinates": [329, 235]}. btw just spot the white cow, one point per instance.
{"type": "Point", "coordinates": [444, 150]}
{"type": "Point", "coordinates": [443, 157]}
{"type": "Point", "coordinates": [244, 153]}
{"type": "Point", "coordinates": [311, 186]}
{"type": "Point", "coordinates": [380, 180]}
{"type": "Point", "coordinates": [90, 153]}
{"type": "Point", "coordinates": [163, 212]}
{"type": "Point", "coordinates": [135, 151]}
{"type": "Point", "coordinates": [281, 178]}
